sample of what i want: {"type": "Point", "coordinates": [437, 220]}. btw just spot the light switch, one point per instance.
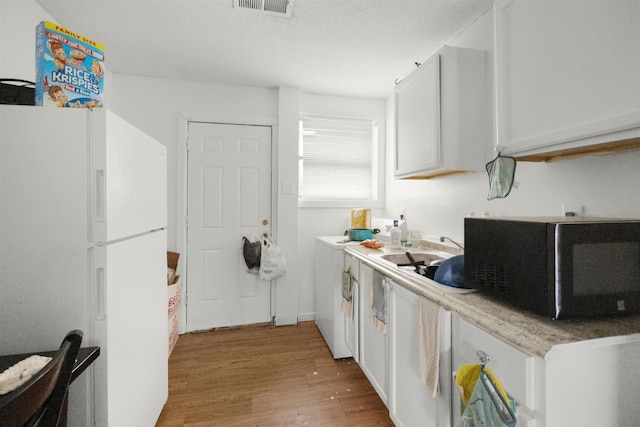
{"type": "Point", "coordinates": [288, 187]}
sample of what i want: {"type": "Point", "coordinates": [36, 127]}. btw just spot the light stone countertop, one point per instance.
{"type": "Point", "coordinates": [527, 331]}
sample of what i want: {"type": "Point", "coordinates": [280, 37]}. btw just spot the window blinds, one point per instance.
{"type": "Point", "coordinates": [336, 159]}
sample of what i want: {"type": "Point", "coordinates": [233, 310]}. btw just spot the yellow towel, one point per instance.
{"type": "Point", "coordinates": [466, 379]}
{"type": "Point", "coordinates": [429, 344]}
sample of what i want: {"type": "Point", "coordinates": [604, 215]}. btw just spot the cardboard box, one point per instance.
{"type": "Point", "coordinates": [173, 332]}
{"type": "Point", "coordinates": [174, 295]}
{"type": "Point", "coordinates": [172, 267]}
{"type": "Point", "coordinates": [69, 68]}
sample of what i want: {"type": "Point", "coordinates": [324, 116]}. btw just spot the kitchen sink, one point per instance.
{"type": "Point", "coordinates": [426, 257]}
{"type": "Point", "coordinates": [402, 263]}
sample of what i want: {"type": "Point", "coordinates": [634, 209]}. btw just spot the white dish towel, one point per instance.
{"type": "Point", "coordinates": [20, 373]}
{"type": "Point", "coordinates": [429, 344]}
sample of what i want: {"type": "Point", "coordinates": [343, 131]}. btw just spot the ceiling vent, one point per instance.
{"type": "Point", "coordinates": [267, 7]}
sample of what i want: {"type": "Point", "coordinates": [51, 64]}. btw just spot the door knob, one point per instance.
{"type": "Point", "coordinates": [265, 221]}
{"type": "Point", "coordinates": [265, 234]}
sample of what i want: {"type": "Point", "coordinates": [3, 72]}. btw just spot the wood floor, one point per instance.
{"type": "Point", "coordinates": [266, 376]}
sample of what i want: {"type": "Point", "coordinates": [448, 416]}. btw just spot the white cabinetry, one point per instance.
{"type": "Point", "coordinates": [374, 345]}
{"type": "Point", "coordinates": [410, 401]}
{"type": "Point", "coordinates": [567, 74]}
{"type": "Point", "coordinates": [440, 111]}
{"type": "Point", "coordinates": [351, 321]}
{"type": "Point", "coordinates": [582, 384]}
{"type": "Point", "coordinates": [521, 375]}
{"type": "Point", "coordinates": [589, 383]}
{"type": "Point", "coordinates": [593, 383]}
{"type": "Point", "coordinates": [329, 264]}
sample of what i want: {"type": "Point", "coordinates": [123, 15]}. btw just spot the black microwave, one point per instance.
{"type": "Point", "coordinates": [558, 267]}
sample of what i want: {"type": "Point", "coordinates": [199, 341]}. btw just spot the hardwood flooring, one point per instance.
{"type": "Point", "coordinates": [266, 376]}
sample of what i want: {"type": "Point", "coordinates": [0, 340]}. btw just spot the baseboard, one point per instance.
{"type": "Point", "coordinates": [285, 321]}
{"type": "Point", "coordinates": [306, 317]}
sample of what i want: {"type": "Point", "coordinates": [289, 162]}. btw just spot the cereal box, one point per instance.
{"type": "Point", "coordinates": [69, 68]}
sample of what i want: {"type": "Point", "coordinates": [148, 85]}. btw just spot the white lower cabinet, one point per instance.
{"type": "Point", "coordinates": [410, 401]}
{"type": "Point", "coordinates": [592, 383]}
{"type": "Point", "coordinates": [329, 265]}
{"type": "Point", "coordinates": [521, 375]}
{"type": "Point", "coordinates": [374, 345]}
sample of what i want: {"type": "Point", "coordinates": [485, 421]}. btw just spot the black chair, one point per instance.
{"type": "Point", "coordinates": [41, 401]}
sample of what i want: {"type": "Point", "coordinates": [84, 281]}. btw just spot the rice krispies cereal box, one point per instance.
{"type": "Point", "coordinates": [69, 68]}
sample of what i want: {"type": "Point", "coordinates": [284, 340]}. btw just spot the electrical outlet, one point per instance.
{"type": "Point", "coordinates": [572, 210]}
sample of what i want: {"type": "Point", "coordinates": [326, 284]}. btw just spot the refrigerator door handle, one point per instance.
{"type": "Point", "coordinates": [100, 195]}
{"type": "Point", "coordinates": [100, 289]}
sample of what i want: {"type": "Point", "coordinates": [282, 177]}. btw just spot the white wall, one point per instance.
{"type": "Point", "coordinates": [329, 221]}
{"type": "Point", "coordinates": [18, 21]}
{"type": "Point", "coordinates": [605, 185]}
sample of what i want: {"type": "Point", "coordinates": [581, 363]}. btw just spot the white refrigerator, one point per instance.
{"type": "Point", "coordinates": [83, 215]}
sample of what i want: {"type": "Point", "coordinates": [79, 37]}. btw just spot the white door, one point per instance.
{"type": "Point", "coordinates": [228, 197]}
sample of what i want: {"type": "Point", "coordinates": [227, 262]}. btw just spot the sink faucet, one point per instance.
{"type": "Point", "coordinates": [443, 238]}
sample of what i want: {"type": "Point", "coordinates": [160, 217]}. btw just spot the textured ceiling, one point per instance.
{"type": "Point", "coordinates": [349, 47]}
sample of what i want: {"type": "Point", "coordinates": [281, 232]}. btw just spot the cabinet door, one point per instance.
{"type": "Point", "coordinates": [441, 115]}
{"type": "Point", "coordinates": [373, 343]}
{"type": "Point", "coordinates": [410, 401]}
{"type": "Point", "coordinates": [351, 322]}
{"type": "Point", "coordinates": [329, 265]}
{"type": "Point", "coordinates": [417, 118]}
{"type": "Point", "coordinates": [567, 73]}
{"type": "Point", "coordinates": [594, 382]}
{"type": "Point", "coordinates": [520, 374]}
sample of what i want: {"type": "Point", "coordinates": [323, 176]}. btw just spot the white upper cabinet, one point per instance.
{"type": "Point", "coordinates": [440, 116]}
{"type": "Point", "coordinates": [567, 76]}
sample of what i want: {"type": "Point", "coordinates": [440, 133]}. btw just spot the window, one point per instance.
{"type": "Point", "coordinates": [338, 162]}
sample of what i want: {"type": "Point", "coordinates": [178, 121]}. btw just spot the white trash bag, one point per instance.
{"type": "Point", "coordinates": [272, 260]}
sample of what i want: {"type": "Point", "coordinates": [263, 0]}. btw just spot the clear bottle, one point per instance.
{"type": "Point", "coordinates": [395, 235]}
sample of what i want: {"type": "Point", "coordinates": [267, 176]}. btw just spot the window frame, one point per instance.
{"type": "Point", "coordinates": [377, 169]}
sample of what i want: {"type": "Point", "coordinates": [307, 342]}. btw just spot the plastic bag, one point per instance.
{"type": "Point", "coordinates": [252, 254]}
{"type": "Point", "coordinates": [272, 262]}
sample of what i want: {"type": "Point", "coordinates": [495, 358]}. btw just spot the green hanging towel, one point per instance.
{"type": "Point", "coordinates": [483, 400]}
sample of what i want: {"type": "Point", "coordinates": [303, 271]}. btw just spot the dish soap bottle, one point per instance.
{"type": "Point", "coordinates": [404, 234]}
{"type": "Point", "coordinates": [395, 235]}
